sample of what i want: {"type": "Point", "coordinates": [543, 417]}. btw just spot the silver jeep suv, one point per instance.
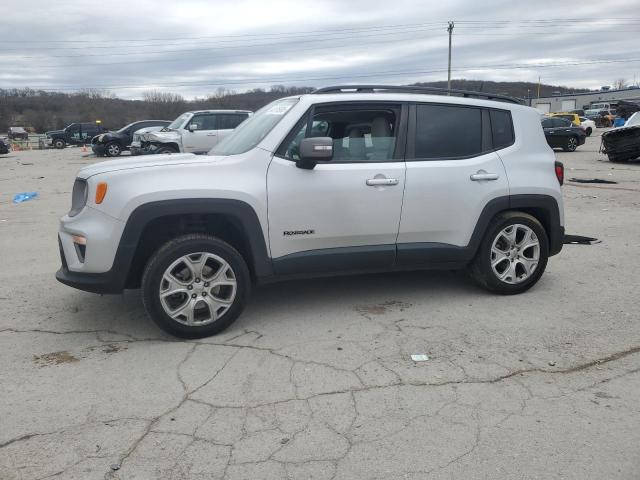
{"type": "Point", "coordinates": [346, 179]}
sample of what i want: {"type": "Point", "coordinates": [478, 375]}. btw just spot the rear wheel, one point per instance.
{"type": "Point", "coordinates": [195, 286]}
{"type": "Point", "coordinates": [571, 144]}
{"type": "Point", "coordinates": [513, 254]}
{"type": "Point", "coordinates": [113, 149]}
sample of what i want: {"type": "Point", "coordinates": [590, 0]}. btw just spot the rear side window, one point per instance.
{"type": "Point", "coordinates": [230, 121]}
{"type": "Point", "coordinates": [448, 131]}
{"type": "Point", "coordinates": [501, 128]}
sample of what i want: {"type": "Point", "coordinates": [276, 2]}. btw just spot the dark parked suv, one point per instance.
{"type": "Point", "coordinates": [112, 144]}
{"type": "Point", "coordinates": [74, 134]}
{"type": "Point", "coordinates": [561, 133]}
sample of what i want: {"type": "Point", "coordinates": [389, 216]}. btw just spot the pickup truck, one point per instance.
{"type": "Point", "coordinates": [74, 134]}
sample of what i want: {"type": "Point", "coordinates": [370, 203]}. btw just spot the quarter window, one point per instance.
{"type": "Point", "coordinates": [501, 128]}
{"type": "Point", "coordinates": [447, 131]}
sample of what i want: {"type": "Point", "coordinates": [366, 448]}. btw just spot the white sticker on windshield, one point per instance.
{"type": "Point", "coordinates": [279, 109]}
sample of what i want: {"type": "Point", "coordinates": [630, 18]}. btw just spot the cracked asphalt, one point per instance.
{"type": "Point", "coordinates": [315, 380]}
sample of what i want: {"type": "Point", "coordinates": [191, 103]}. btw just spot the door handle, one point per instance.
{"type": "Point", "coordinates": [482, 175]}
{"type": "Point", "coordinates": [211, 134]}
{"type": "Point", "coordinates": [376, 182]}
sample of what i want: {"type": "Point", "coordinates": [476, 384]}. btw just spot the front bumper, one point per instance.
{"type": "Point", "coordinates": [98, 148]}
{"type": "Point", "coordinates": [89, 282]}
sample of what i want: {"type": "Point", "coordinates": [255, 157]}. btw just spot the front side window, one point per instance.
{"type": "Point", "coordinates": [206, 121]}
{"type": "Point", "coordinates": [251, 132]}
{"type": "Point", "coordinates": [358, 134]}
{"type": "Point", "coordinates": [447, 131]}
{"type": "Point", "coordinates": [547, 123]}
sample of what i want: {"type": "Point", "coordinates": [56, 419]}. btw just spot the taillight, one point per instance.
{"type": "Point", "coordinates": [560, 172]}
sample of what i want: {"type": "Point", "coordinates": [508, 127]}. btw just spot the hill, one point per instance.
{"type": "Point", "coordinates": [54, 110]}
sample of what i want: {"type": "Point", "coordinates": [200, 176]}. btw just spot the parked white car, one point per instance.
{"type": "Point", "coordinates": [587, 125]}
{"type": "Point", "coordinates": [194, 132]}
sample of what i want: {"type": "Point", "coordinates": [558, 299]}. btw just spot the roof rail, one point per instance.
{"type": "Point", "coordinates": [416, 89]}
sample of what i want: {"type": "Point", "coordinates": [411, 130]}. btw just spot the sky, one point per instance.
{"type": "Point", "coordinates": [197, 47]}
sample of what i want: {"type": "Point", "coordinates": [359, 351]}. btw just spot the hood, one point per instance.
{"type": "Point", "coordinates": [106, 136]}
{"type": "Point", "coordinates": [142, 131]}
{"type": "Point", "coordinates": [54, 132]}
{"type": "Point", "coordinates": [162, 137]}
{"type": "Point", "coordinates": [144, 161]}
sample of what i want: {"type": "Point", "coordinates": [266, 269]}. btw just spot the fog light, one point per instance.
{"type": "Point", "coordinates": [79, 239]}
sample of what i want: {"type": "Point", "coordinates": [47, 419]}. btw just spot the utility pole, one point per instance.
{"type": "Point", "coordinates": [538, 87]}
{"type": "Point", "coordinates": [450, 30]}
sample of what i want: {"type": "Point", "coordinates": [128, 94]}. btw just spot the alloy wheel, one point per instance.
{"type": "Point", "coordinates": [198, 289]}
{"type": "Point", "coordinates": [572, 144]}
{"type": "Point", "coordinates": [113, 150]}
{"type": "Point", "coordinates": [515, 254]}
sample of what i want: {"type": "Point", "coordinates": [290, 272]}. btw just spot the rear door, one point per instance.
{"type": "Point", "coordinates": [453, 172]}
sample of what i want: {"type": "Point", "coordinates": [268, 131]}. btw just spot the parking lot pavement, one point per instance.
{"type": "Point", "coordinates": [315, 380]}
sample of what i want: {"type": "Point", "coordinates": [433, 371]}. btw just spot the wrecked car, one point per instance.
{"type": "Point", "coordinates": [193, 132]}
{"type": "Point", "coordinates": [112, 144]}
{"type": "Point", "coordinates": [621, 144]}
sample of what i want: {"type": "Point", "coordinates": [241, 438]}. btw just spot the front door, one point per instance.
{"type": "Point", "coordinates": [343, 214]}
{"type": "Point", "coordinates": [201, 133]}
{"type": "Point", "coordinates": [453, 172]}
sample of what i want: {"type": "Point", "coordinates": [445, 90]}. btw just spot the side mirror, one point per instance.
{"type": "Point", "coordinates": [315, 150]}
{"type": "Point", "coordinates": [193, 127]}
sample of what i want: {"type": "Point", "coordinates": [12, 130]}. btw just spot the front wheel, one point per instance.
{"type": "Point", "coordinates": [513, 254]}
{"type": "Point", "coordinates": [113, 149]}
{"type": "Point", "coordinates": [195, 286]}
{"type": "Point", "coordinates": [59, 143]}
{"type": "Point", "coordinates": [162, 150]}
{"type": "Point", "coordinates": [589, 131]}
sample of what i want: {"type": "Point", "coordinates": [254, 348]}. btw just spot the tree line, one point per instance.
{"type": "Point", "coordinates": [45, 110]}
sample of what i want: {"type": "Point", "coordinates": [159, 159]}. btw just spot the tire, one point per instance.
{"type": "Point", "coordinates": [588, 131]}
{"type": "Point", "coordinates": [112, 149]}
{"type": "Point", "coordinates": [162, 150]}
{"type": "Point", "coordinates": [571, 145]}
{"type": "Point", "coordinates": [192, 316]}
{"type": "Point", "coordinates": [487, 276]}
{"type": "Point", "coordinates": [619, 159]}
{"type": "Point", "coordinates": [59, 143]}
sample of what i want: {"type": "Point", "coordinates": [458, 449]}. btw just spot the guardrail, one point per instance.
{"type": "Point", "coordinates": [34, 142]}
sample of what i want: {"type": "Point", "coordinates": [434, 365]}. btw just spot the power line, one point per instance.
{"type": "Point", "coordinates": [261, 80]}
{"type": "Point", "coordinates": [208, 49]}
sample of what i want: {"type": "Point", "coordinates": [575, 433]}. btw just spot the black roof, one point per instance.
{"type": "Point", "coordinates": [416, 89]}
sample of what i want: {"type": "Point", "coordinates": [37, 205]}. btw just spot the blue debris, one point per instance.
{"type": "Point", "coordinates": [24, 197]}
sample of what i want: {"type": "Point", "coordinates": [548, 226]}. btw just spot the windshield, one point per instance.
{"type": "Point", "coordinates": [633, 120]}
{"type": "Point", "coordinates": [250, 132]}
{"type": "Point", "coordinates": [592, 112]}
{"type": "Point", "coordinates": [178, 122]}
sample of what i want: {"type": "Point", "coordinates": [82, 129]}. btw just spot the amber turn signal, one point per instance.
{"type": "Point", "coordinates": [101, 192]}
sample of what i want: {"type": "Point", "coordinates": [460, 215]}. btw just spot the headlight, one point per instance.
{"type": "Point", "coordinates": [78, 196]}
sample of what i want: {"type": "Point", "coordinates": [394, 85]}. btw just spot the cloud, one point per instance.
{"type": "Point", "coordinates": [195, 46]}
